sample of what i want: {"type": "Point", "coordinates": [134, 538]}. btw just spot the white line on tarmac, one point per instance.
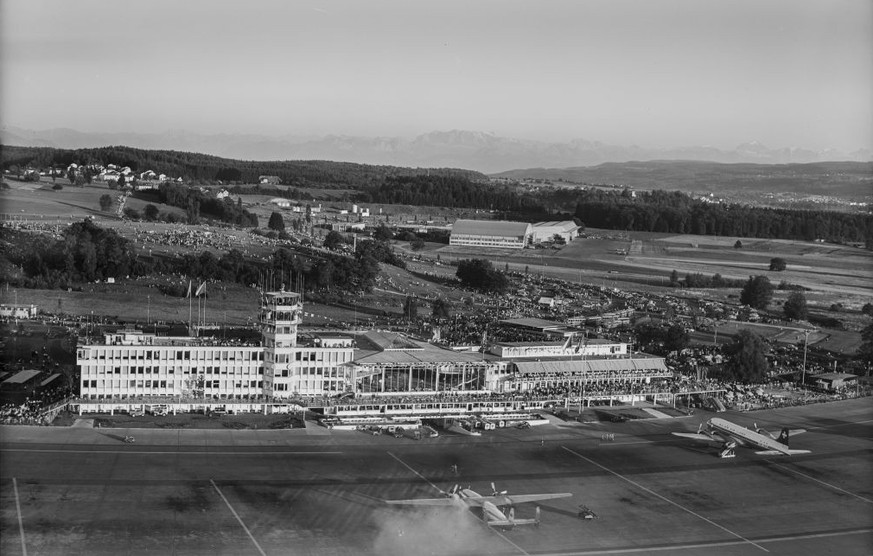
{"type": "Point", "coordinates": [20, 522]}
{"type": "Point", "coordinates": [417, 474]}
{"type": "Point", "coordinates": [493, 530]}
{"type": "Point", "coordinates": [665, 499]}
{"type": "Point", "coordinates": [203, 452]}
{"type": "Point", "coordinates": [238, 518]}
{"type": "Point", "coordinates": [858, 496]}
{"type": "Point", "coordinates": [695, 546]}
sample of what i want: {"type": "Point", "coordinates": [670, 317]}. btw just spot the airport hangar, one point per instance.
{"type": "Point", "coordinates": [508, 234]}
{"type": "Point", "coordinates": [287, 371]}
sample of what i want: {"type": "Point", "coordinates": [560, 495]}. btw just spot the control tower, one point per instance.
{"type": "Point", "coordinates": [281, 312]}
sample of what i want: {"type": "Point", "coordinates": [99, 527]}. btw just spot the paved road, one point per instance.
{"type": "Point", "coordinates": [83, 491]}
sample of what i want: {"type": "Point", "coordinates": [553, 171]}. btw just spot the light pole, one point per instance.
{"type": "Point", "coordinates": [805, 344]}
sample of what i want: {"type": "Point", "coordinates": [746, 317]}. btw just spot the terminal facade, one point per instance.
{"type": "Point", "coordinates": [286, 365]}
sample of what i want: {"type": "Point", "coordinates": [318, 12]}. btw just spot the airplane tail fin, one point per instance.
{"type": "Point", "coordinates": [783, 437]}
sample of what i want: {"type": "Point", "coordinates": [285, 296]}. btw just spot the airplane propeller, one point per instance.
{"type": "Point", "coordinates": [452, 491]}
{"type": "Point", "coordinates": [494, 491]}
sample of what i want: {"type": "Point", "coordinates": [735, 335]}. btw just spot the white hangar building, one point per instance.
{"type": "Point", "coordinates": [546, 231]}
{"type": "Point", "coordinates": [490, 233]}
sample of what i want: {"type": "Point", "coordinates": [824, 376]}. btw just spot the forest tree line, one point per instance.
{"type": "Point", "coordinates": [212, 169]}
{"type": "Point", "coordinates": [88, 253]}
{"type": "Point", "coordinates": [653, 211]}
{"type": "Point", "coordinates": [678, 213]}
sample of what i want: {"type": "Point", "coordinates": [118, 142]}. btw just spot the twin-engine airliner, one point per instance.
{"type": "Point", "coordinates": [491, 513]}
{"type": "Point", "coordinates": [731, 435]}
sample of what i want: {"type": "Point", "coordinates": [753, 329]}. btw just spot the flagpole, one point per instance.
{"type": "Point", "coordinates": [189, 307]}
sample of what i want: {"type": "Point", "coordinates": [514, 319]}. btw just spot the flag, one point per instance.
{"type": "Point", "coordinates": [200, 289]}
{"type": "Point", "coordinates": [189, 289]}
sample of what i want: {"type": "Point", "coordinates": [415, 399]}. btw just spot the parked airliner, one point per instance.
{"type": "Point", "coordinates": [493, 516]}
{"type": "Point", "coordinates": [731, 435]}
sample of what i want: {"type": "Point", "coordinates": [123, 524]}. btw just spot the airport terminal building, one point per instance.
{"type": "Point", "coordinates": [131, 364]}
{"type": "Point", "coordinates": [285, 366]}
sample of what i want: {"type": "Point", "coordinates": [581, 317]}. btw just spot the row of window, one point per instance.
{"type": "Point", "coordinates": [311, 386]}
{"type": "Point", "coordinates": [318, 356]}
{"type": "Point", "coordinates": [311, 371]}
{"type": "Point", "coordinates": [161, 370]}
{"type": "Point", "coordinates": [167, 384]}
{"type": "Point", "coordinates": [172, 354]}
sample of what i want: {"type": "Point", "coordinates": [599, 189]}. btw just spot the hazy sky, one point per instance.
{"type": "Point", "coordinates": [647, 72]}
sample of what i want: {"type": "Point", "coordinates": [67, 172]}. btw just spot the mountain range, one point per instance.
{"type": "Point", "coordinates": [473, 150]}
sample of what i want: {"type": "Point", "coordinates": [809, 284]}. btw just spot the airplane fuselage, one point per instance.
{"type": "Point", "coordinates": [744, 436]}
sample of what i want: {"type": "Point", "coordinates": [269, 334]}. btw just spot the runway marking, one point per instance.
{"type": "Point", "coordinates": [165, 452]}
{"type": "Point", "coordinates": [417, 474]}
{"type": "Point", "coordinates": [493, 530]}
{"type": "Point", "coordinates": [664, 498]}
{"type": "Point", "coordinates": [20, 522]}
{"type": "Point", "coordinates": [858, 496]}
{"type": "Point", "coordinates": [238, 518]}
{"type": "Point", "coordinates": [693, 546]}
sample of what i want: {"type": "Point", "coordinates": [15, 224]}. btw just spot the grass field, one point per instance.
{"type": "Point", "coordinates": [633, 261]}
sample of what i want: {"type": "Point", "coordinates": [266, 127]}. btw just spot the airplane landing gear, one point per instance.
{"type": "Point", "coordinates": [728, 450]}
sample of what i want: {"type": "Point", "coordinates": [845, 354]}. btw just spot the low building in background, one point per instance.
{"type": "Point", "coordinates": [567, 230]}
{"type": "Point", "coordinates": [490, 233]}
{"type": "Point", "coordinates": [16, 311]}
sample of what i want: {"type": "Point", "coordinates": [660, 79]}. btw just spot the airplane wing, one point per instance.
{"type": "Point", "coordinates": [504, 499]}
{"type": "Point", "coordinates": [695, 436]}
{"type": "Point", "coordinates": [423, 502]}
{"type": "Point", "coordinates": [796, 431]}
{"type": "Point", "coordinates": [785, 452]}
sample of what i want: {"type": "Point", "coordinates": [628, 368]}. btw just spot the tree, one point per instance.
{"type": "Point", "coordinates": [757, 293]}
{"type": "Point", "coordinates": [867, 309]}
{"type": "Point", "coordinates": [105, 202]}
{"type": "Point", "coordinates": [778, 264]}
{"type": "Point", "coordinates": [865, 352]}
{"type": "Point", "coordinates": [410, 308]}
{"type": "Point", "coordinates": [383, 233]}
{"type": "Point", "coordinates": [479, 274]}
{"type": "Point", "coordinates": [795, 306]}
{"type": "Point", "coordinates": [417, 244]}
{"type": "Point", "coordinates": [276, 222]}
{"type": "Point", "coordinates": [738, 245]}
{"type": "Point", "coordinates": [674, 279]}
{"type": "Point", "coordinates": [441, 308]}
{"type": "Point", "coordinates": [131, 213]}
{"type": "Point", "coordinates": [676, 338]}
{"type": "Point", "coordinates": [747, 357]}
{"type": "Point", "coordinates": [151, 212]}
{"type": "Point", "coordinates": [558, 239]}
{"type": "Point", "coordinates": [333, 240]}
